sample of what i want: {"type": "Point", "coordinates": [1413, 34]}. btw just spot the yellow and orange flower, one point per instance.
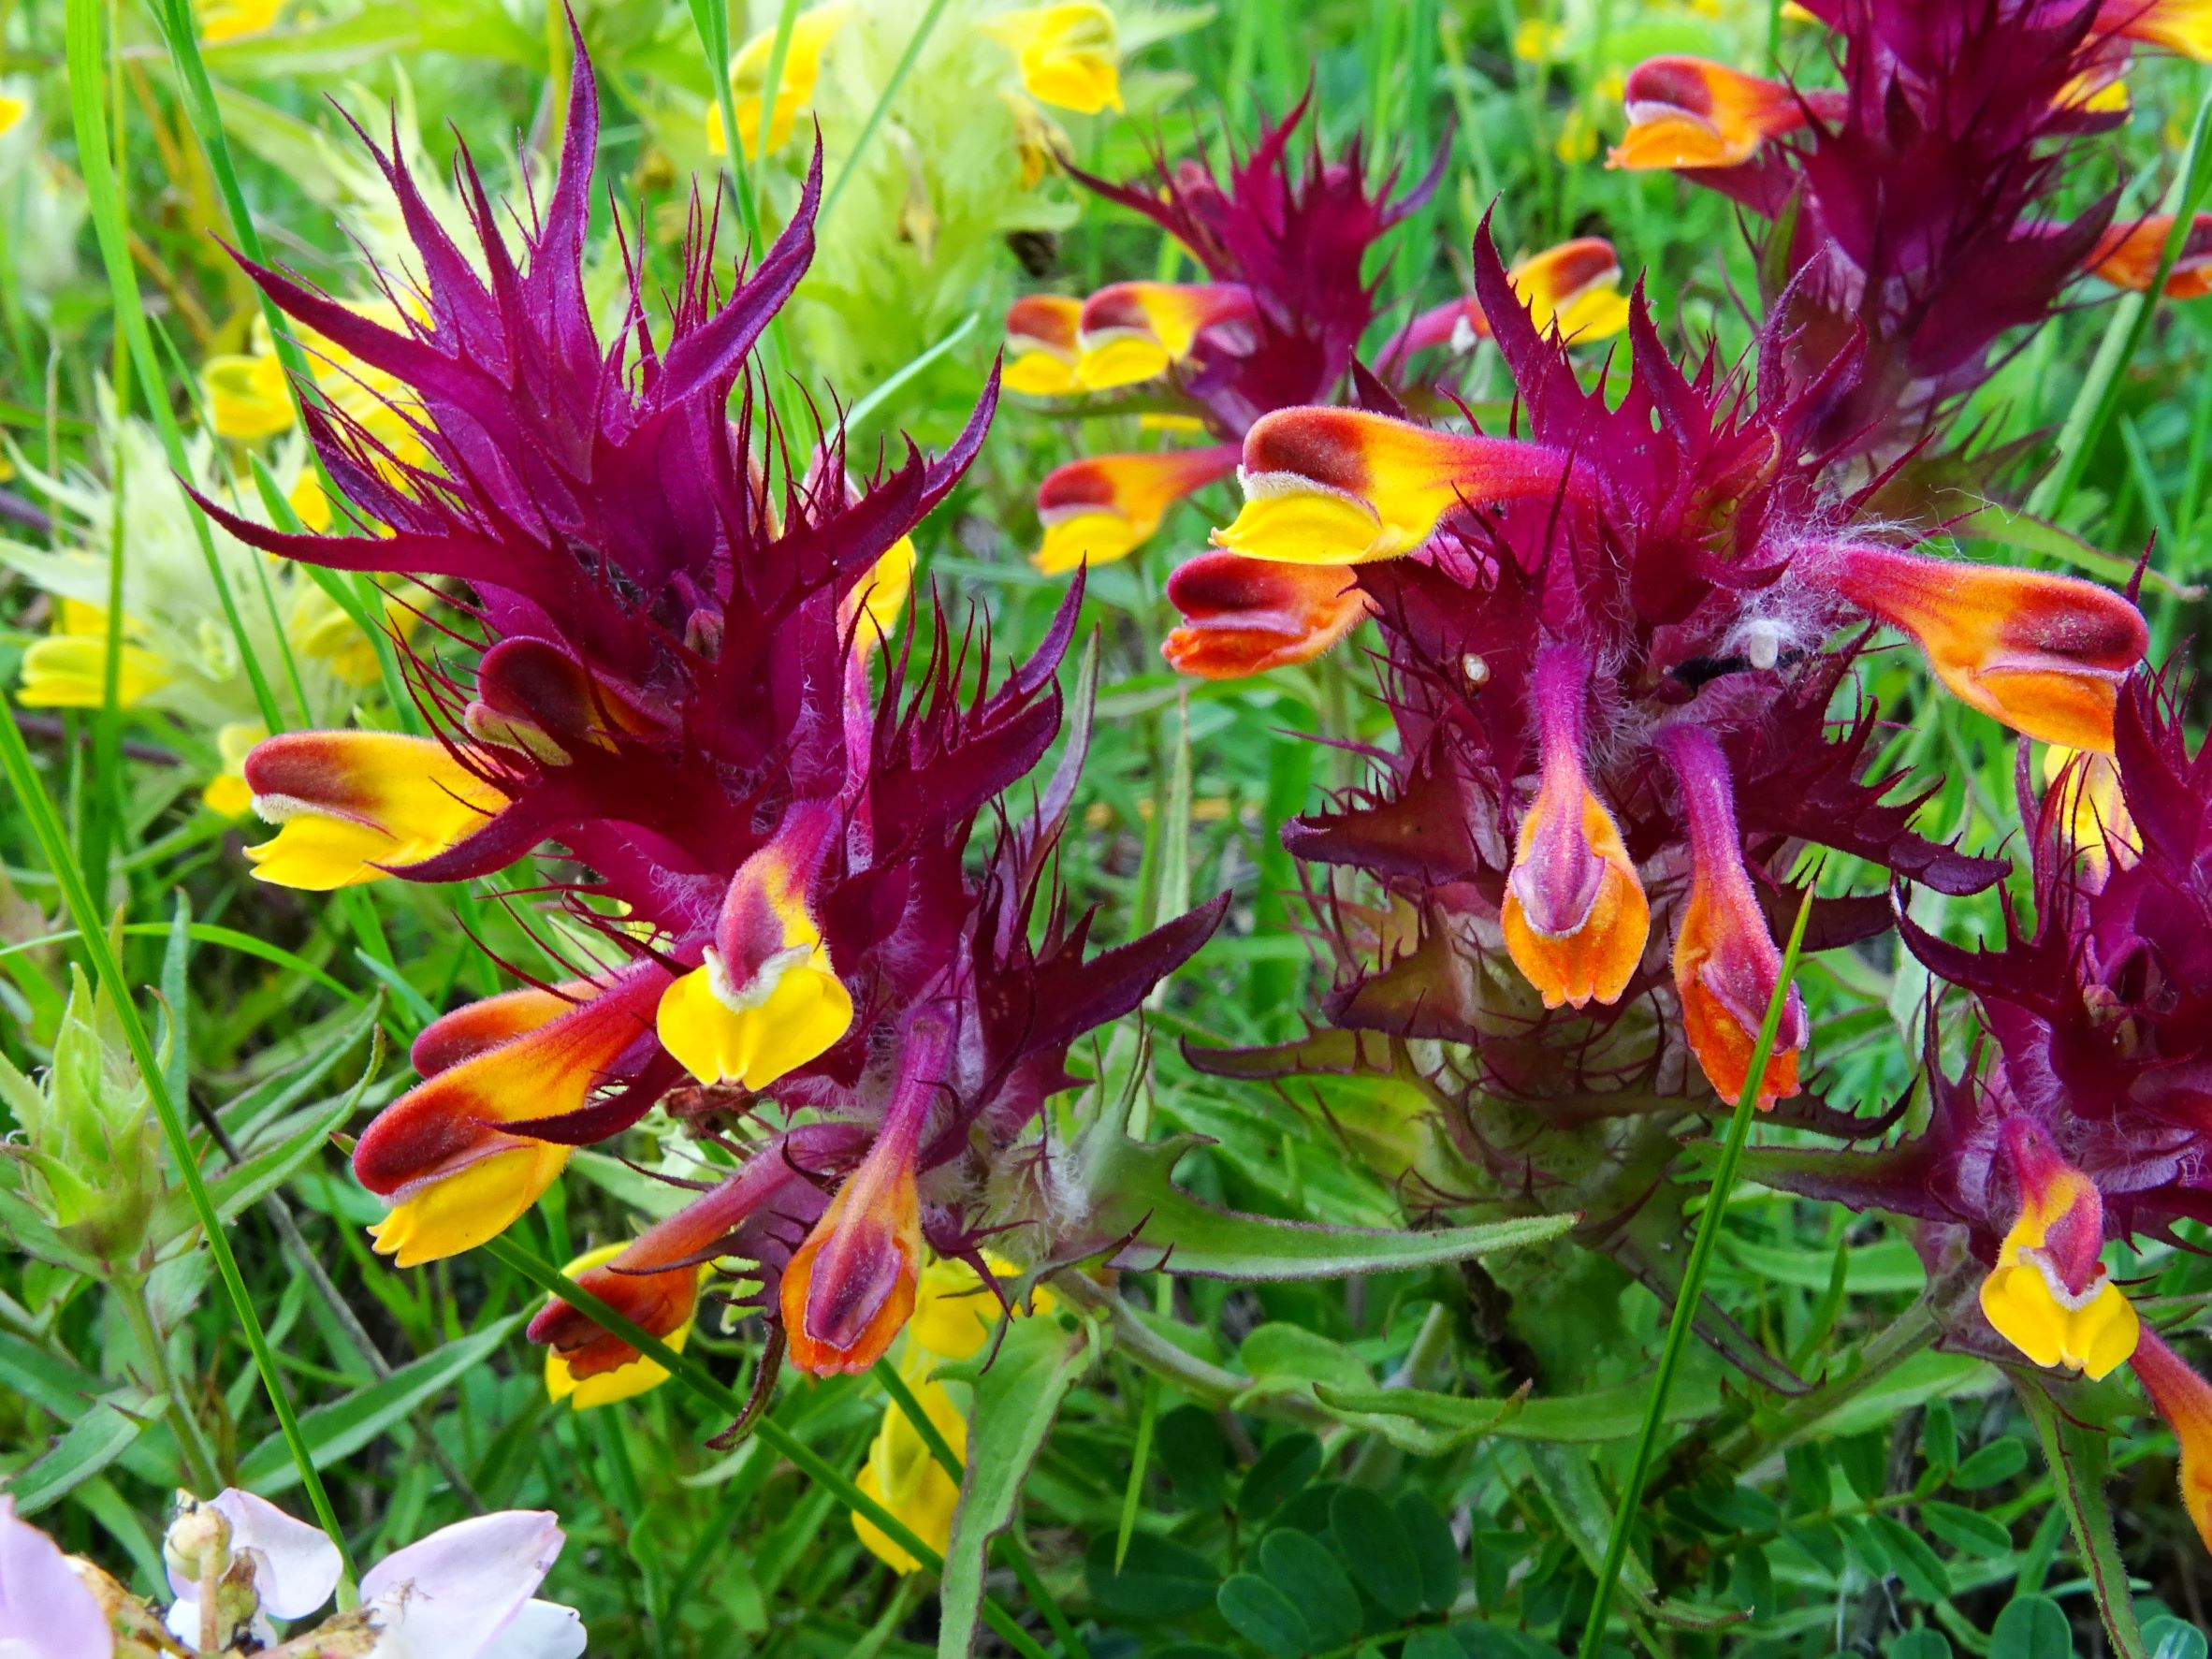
{"type": "Point", "coordinates": [1130, 332]}
{"type": "Point", "coordinates": [453, 1177]}
{"type": "Point", "coordinates": [1347, 486]}
{"type": "Point", "coordinates": [1574, 286]}
{"type": "Point", "coordinates": [1575, 915]}
{"type": "Point", "coordinates": [1244, 616]}
{"type": "Point", "coordinates": [1043, 340]}
{"type": "Point", "coordinates": [2128, 255]}
{"type": "Point", "coordinates": [1726, 964]}
{"type": "Point", "coordinates": [848, 1288]}
{"type": "Point", "coordinates": [1689, 113]}
{"type": "Point", "coordinates": [1104, 507]}
{"type": "Point", "coordinates": [2044, 654]}
{"type": "Point", "coordinates": [2184, 1399]}
{"type": "Point", "coordinates": [2180, 26]}
{"type": "Point", "coordinates": [603, 1368]}
{"type": "Point", "coordinates": [349, 806]}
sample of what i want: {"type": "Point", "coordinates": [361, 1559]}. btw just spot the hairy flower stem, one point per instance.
{"type": "Point", "coordinates": [193, 1447]}
{"type": "Point", "coordinates": [1883, 1352]}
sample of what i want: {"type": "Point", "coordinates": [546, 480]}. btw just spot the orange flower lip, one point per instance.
{"type": "Point", "coordinates": [850, 1287]}
{"type": "Point", "coordinates": [2044, 654]}
{"type": "Point", "coordinates": [1690, 112]}
{"type": "Point", "coordinates": [2126, 256]}
{"type": "Point", "coordinates": [1726, 966]}
{"type": "Point", "coordinates": [1245, 616]}
{"type": "Point", "coordinates": [1575, 916]}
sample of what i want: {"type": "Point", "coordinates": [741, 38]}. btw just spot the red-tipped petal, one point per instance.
{"type": "Point", "coordinates": [1726, 964]}
{"type": "Point", "coordinates": [1136, 331]}
{"type": "Point", "coordinates": [2049, 1295]}
{"type": "Point", "coordinates": [1347, 486]}
{"type": "Point", "coordinates": [1689, 113]}
{"type": "Point", "coordinates": [1103, 507]}
{"type": "Point", "coordinates": [2184, 1399]}
{"type": "Point", "coordinates": [2126, 256]}
{"type": "Point", "coordinates": [2044, 654]}
{"type": "Point", "coordinates": [1245, 616]}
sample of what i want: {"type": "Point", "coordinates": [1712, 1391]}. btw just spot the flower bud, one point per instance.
{"type": "Point", "coordinates": [90, 1146]}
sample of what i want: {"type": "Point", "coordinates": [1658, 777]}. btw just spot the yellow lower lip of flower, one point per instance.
{"type": "Point", "coordinates": [465, 1209]}
{"type": "Point", "coordinates": [1041, 374]}
{"type": "Point", "coordinates": [1295, 522]}
{"type": "Point", "coordinates": [1122, 359]}
{"type": "Point", "coordinates": [1081, 82]}
{"type": "Point", "coordinates": [1679, 141]}
{"type": "Point", "coordinates": [2095, 1338]}
{"type": "Point", "coordinates": [319, 854]}
{"type": "Point", "coordinates": [1596, 313]}
{"type": "Point", "coordinates": [246, 396]}
{"type": "Point", "coordinates": [754, 1041]}
{"type": "Point", "coordinates": [1088, 538]}
{"type": "Point", "coordinates": [70, 671]}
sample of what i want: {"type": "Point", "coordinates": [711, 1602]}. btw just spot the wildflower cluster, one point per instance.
{"type": "Point", "coordinates": [670, 669]}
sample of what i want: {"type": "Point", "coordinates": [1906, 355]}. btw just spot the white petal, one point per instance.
{"type": "Point", "coordinates": [46, 1611]}
{"type": "Point", "coordinates": [542, 1630]}
{"type": "Point", "coordinates": [448, 1597]}
{"type": "Point", "coordinates": [295, 1564]}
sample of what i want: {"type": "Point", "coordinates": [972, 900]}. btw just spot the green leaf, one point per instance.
{"type": "Point", "coordinates": [1132, 1196]}
{"type": "Point", "coordinates": [1916, 1562]}
{"type": "Point", "coordinates": [1923, 1643]}
{"type": "Point", "coordinates": [1289, 1359]}
{"type": "Point", "coordinates": [1433, 1551]}
{"type": "Point", "coordinates": [1434, 1644]}
{"type": "Point", "coordinates": [1992, 1464]}
{"type": "Point", "coordinates": [344, 1426]}
{"type": "Point", "coordinates": [1192, 1453]}
{"type": "Point", "coordinates": [1309, 1574]}
{"type": "Point", "coordinates": [1279, 1473]}
{"type": "Point", "coordinates": [2169, 1637]}
{"type": "Point", "coordinates": [1018, 1391]}
{"type": "Point", "coordinates": [2032, 1627]}
{"type": "Point", "coordinates": [1571, 1419]}
{"type": "Point", "coordinates": [1262, 1615]}
{"type": "Point", "coordinates": [1159, 1578]}
{"type": "Point", "coordinates": [94, 1440]}
{"type": "Point", "coordinates": [1966, 1529]}
{"type": "Point", "coordinates": [1373, 1541]}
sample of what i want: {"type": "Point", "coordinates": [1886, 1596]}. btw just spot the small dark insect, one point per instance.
{"type": "Point", "coordinates": [1038, 250]}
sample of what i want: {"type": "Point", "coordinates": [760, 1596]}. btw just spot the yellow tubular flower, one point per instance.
{"type": "Point", "coordinates": [810, 36]}
{"type": "Point", "coordinates": [1067, 53]}
{"type": "Point", "coordinates": [2049, 1296]}
{"type": "Point", "coordinates": [903, 1476]}
{"type": "Point", "coordinates": [12, 111]}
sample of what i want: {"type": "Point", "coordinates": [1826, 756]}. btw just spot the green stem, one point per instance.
{"type": "Point", "coordinates": [686, 1369]}
{"type": "Point", "coordinates": [1889, 1348]}
{"type": "Point", "coordinates": [37, 806]}
{"type": "Point", "coordinates": [1680, 1327]}
{"type": "Point", "coordinates": [192, 1441]}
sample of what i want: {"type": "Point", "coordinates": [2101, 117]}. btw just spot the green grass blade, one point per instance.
{"type": "Point", "coordinates": [900, 71]}
{"type": "Point", "coordinates": [1685, 1303]}
{"type": "Point", "coordinates": [87, 56]}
